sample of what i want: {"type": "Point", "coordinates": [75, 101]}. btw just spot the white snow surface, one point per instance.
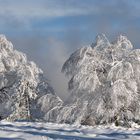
{"type": "Point", "coordinates": [52, 131]}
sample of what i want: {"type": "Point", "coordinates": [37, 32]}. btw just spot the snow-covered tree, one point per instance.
{"type": "Point", "coordinates": [22, 86]}
{"type": "Point", "coordinates": [105, 80]}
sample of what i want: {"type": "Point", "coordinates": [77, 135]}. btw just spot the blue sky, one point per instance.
{"type": "Point", "coordinates": [48, 31]}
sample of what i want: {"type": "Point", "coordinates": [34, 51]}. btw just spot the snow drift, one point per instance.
{"type": "Point", "coordinates": [104, 84]}
{"type": "Point", "coordinates": [24, 92]}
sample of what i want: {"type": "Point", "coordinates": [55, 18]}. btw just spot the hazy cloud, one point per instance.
{"type": "Point", "coordinates": [56, 55]}
{"type": "Point", "coordinates": [43, 8]}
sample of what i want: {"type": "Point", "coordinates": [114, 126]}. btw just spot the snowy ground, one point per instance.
{"type": "Point", "coordinates": [50, 131]}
